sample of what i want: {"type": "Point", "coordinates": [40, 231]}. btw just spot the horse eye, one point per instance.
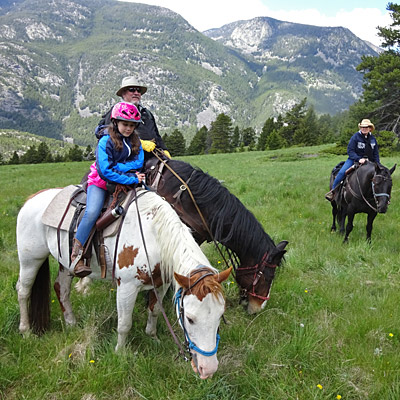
{"type": "Point", "coordinates": [191, 322]}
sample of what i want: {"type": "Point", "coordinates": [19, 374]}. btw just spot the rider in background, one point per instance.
{"type": "Point", "coordinates": [119, 155]}
{"type": "Point", "coordinates": [362, 146]}
{"type": "Point", "coordinates": [131, 92]}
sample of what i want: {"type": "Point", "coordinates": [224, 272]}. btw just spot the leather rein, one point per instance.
{"type": "Point", "coordinates": [258, 268]}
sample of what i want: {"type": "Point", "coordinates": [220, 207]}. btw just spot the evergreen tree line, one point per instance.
{"type": "Point", "coordinates": [42, 154]}
{"type": "Point", "coordinates": [300, 126]}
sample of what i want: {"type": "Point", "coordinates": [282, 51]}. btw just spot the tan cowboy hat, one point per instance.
{"type": "Point", "coordinates": [131, 81]}
{"type": "Point", "coordinates": [366, 123]}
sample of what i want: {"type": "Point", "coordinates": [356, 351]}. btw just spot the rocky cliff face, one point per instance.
{"type": "Point", "coordinates": [62, 61]}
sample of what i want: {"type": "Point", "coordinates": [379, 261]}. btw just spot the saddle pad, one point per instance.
{"type": "Point", "coordinates": [55, 210]}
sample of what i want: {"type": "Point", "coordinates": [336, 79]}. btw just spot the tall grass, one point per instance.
{"type": "Point", "coordinates": [330, 329]}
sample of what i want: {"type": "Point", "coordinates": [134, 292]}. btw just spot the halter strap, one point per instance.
{"type": "Point", "coordinates": [258, 272]}
{"type": "Point", "coordinates": [180, 294]}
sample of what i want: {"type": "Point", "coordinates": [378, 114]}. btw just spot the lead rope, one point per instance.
{"type": "Point", "coordinates": [181, 350]}
{"type": "Point", "coordinates": [198, 211]}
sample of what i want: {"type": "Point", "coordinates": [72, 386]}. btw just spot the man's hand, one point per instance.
{"type": "Point", "coordinates": [148, 145]}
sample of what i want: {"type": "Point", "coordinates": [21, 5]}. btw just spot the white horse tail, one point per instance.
{"type": "Point", "coordinates": [39, 304]}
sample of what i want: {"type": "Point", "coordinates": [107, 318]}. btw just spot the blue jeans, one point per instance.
{"type": "Point", "coordinates": [94, 204]}
{"type": "Point", "coordinates": [340, 176]}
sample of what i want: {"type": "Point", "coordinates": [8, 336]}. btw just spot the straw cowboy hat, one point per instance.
{"type": "Point", "coordinates": [366, 123]}
{"type": "Point", "coordinates": [131, 81]}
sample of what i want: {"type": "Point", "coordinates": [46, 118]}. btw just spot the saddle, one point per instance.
{"type": "Point", "coordinates": [66, 211]}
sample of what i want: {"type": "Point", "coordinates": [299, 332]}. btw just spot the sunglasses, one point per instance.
{"type": "Point", "coordinates": [134, 89]}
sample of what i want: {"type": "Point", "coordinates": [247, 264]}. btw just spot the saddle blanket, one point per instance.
{"type": "Point", "coordinates": [55, 210]}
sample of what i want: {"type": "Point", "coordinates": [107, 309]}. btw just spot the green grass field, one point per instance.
{"type": "Point", "coordinates": [330, 330]}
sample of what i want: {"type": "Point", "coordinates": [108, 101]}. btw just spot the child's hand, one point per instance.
{"type": "Point", "coordinates": [140, 176]}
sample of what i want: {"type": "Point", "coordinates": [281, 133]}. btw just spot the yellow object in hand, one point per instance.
{"type": "Point", "coordinates": [148, 145]}
{"type": "Point", "coordinates": [166, 152]}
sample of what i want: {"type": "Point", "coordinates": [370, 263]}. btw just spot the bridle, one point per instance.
{"type": "Point", "coordinates": [376, 195]}
{"type": "Point", "coordinates": [258, 271]}
{"type": "Point", "coordinates": [189, 344]}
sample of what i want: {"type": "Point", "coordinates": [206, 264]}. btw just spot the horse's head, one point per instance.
{"type": "Point", "coordinates": [256, 280]}
{"type": "Point", "coordinates": [200, 304]}
{"type": "Point", "coordinates": [382, 187]}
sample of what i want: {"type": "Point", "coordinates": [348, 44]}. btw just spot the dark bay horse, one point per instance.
{"type": "Point", "coordinates": [228, 222]}
{"type": "Point", "coordinates": [366, 190]}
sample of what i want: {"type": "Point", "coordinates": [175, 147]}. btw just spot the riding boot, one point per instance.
{"type": "Point", "coordinates": [80, 269]}
{"type": "Point", "coordinates": [331, 194]}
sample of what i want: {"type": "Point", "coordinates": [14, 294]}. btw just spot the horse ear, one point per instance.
{"type": "Point", "coordinates": [392, 169]}
{"type": "Point", "coordinates": [223, 276]}
{"type": "Point", "coordinates": [277, 254]}
{"type": "Point", "coordinates": [182, 280]}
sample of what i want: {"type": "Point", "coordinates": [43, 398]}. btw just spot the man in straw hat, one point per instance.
{"type": "Point", "coordinates": [362, 146]}
{"type": "Point", "coordinates": [131, 91]}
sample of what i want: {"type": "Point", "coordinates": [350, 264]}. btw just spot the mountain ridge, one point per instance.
{"type": "Point", "coordinates": [62, 62]}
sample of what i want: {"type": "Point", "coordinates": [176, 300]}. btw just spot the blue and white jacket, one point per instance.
{"type": "Point", "coordinates": [360, 146]}
{"type": "Point", "coordinates": [117, 166]}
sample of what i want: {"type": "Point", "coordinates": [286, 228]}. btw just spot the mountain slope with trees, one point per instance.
{"type": "Point", "coordinates": [61, 63]}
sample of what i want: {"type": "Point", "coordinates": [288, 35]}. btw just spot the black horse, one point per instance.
{"type": "Point", "coordinates": [213, 213]}
{"type": "Point", "coordinates": [366, 189]}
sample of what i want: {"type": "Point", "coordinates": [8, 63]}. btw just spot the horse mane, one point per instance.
{"type": "Point", "coordinates": [231, 223]}
{"type": "Point", "coordinates": [206, 286]}
{"type": "Point", "coordinates": [180, 252]}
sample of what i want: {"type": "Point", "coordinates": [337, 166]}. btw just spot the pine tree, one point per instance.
{"type": "Point", "coordinates": [43, 153]}
{"type": "Point", "coordinates": [382, 78]}
{"type": "Point", "coordinates": [198, 143]}
{"type": "Point", "coordinates": [75, 154]}
{"type": "Point", "coordinates": [292, 120]}
{"type": "Point", "coordinates": [30, 157]}
{"type": "Point", "coordinates": [268, 127]}
{"type": "Point", "coordinates": [221, 132]}
{"type": "Point", "coordinates": [235, 142]}
{"type": "Point", "coordinates": [14, 159]}
{"type": "Point", "coordinates": [176, 143]}
{"type": "Point", "coordinates": [248, 136]}
{"type": "Point", "coordinates": [307, 132]}
{"type": "Point", "coordinates": [275, 141]}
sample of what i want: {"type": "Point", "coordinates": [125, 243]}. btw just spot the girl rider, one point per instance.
{"type": "Point", "coordinates": [119, 156]}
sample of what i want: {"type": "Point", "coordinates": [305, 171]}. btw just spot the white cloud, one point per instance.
{"type": "Point", "coordinates": [207, 14]}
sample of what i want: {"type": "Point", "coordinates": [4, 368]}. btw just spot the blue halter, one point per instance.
{"type": "Point", "coordinates": [189, 344]}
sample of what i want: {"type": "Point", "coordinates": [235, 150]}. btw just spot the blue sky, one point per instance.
{"type": "Point", "coordinates": [361, 17]}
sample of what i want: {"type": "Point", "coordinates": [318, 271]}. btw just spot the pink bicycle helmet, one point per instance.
{"type": "Point", "coordinates": [126, 112]}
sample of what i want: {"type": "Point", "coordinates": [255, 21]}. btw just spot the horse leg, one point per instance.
{"type": "Point", "coordinates": [342, 220]}
{"type": "Point", "coordinates": [154, 309]}
{"type": "Point", "coordinates": [62, 287]}
{"type": "Point", "coordinates": [126, 298]}
{"type": "Point", "coordinates": [334, 215]}
{"type": "Point", "coordinates": [349, 226]}
{"type": "Point", "coordinates": [370, 221]}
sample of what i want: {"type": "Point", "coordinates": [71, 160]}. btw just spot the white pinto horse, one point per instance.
{"type": "Point", "coordinates": [172, 256]}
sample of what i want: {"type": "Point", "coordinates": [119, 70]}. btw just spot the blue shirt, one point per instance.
{"type": "Point", "coordinates": [118, 166]}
